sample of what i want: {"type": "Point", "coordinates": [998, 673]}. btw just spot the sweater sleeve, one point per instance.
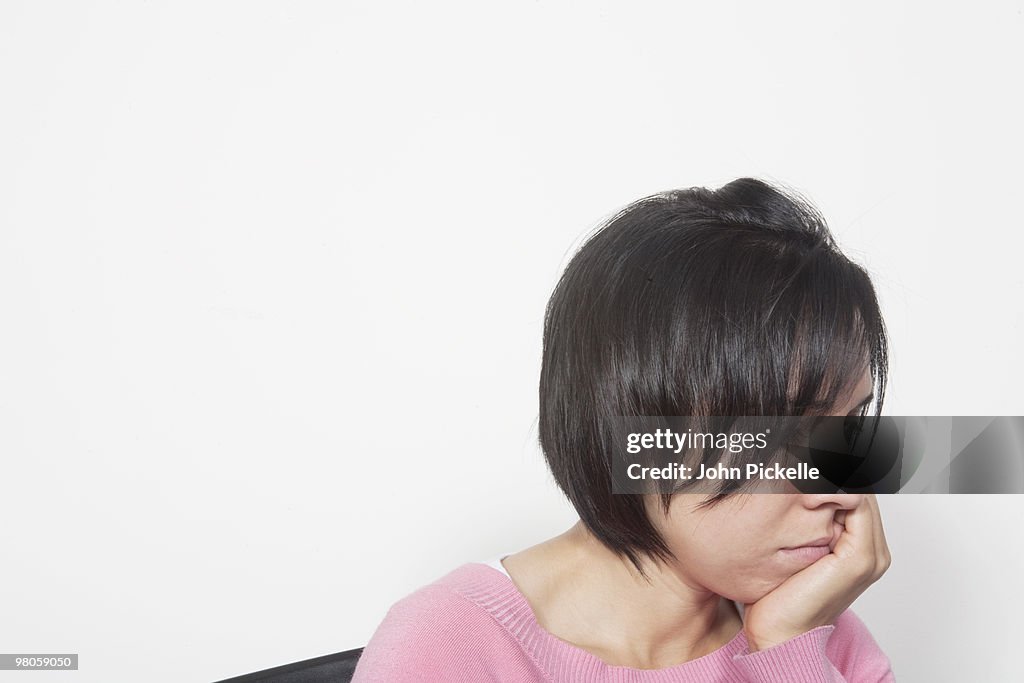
{"type": "Point", "coordinates": [844, 652]}
{"type": "Point", "coordinates": [435, 634]}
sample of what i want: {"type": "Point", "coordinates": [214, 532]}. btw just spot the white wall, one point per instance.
{"type": "Point", "coordinates": [254, 254]}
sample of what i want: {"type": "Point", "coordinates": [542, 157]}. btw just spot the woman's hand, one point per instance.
{"type": "Point", "coordinates": [817, 595]}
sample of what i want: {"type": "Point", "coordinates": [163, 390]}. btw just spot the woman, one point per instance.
{"type": "Point", "coordinates": [690, 302]}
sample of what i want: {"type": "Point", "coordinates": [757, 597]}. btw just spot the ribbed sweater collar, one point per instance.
{"type": "Point", "coordinates": [494, 592]}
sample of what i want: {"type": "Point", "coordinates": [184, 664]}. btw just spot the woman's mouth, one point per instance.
{"type": "Point", "coordinates": [806, 554]}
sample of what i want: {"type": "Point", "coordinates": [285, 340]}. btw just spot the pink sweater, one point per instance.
{"type": "Point", "coordinates": [474, 625]}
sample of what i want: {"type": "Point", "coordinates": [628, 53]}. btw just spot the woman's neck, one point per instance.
{"type": "Point", "coordinates": [584, 594]}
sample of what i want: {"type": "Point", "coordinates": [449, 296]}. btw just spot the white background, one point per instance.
{"type": "Point", "coordinates": [257, 259]}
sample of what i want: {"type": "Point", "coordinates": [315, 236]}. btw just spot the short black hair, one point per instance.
{"type": "Point", "coordinates": [734, 301]}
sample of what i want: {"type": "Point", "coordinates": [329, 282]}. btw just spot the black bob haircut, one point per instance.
{"type": "Point", "coordinates": [734, 301]}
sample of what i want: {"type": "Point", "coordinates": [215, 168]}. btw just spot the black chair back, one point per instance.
{"type": "Point", "coordinates": [336, 668]}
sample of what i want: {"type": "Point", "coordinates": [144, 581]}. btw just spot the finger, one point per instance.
{"type": "Point", "coordinates": [873, 544]}
{"type": "Point", "coordinates": [877, 534]}
{"type": "Point", "coordinates": [881, 544]}
{"type": "Point", "coordinates": [868, 503]}
{"type": "Point", "coordinates": [838, 527]}
{"type": "Point", "coordinates": [858, 532]}
{"type": "Point", "coordinates": [839, 523]}
{"type": "Point", "coordinates": [837, 533]}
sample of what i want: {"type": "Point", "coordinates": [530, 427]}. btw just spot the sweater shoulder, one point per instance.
{"type": "Point", "coordinates": [458, 592]}
{"type": "Point", "coordinates": [437, 630]}
{"type": "Point", "coordinates": [447, 607]}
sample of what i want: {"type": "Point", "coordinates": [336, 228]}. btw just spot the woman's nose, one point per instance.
{"type": "Point", "coordinates": [844, 501]}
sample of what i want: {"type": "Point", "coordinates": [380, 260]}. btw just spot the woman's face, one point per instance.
{"type": "Point", "coordinates": [736, 547]}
